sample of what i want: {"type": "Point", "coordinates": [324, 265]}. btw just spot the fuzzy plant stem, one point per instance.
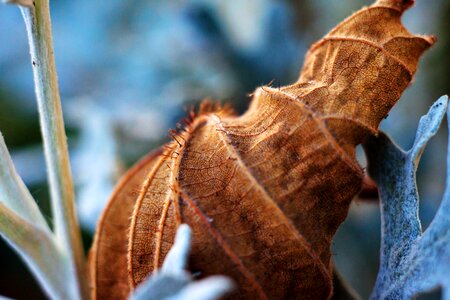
{"type": "Point", "coordinates": [38, 25]}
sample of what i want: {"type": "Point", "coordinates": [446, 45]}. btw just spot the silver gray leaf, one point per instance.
{"type": "Point", "coordinates": [411, 261]}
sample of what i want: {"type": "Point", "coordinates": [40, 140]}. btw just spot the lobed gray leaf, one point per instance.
{"type": "Point", "coordinates": [209, 288]}
{"type": "Point", "coordinates": [173, 282]}
{"type": "Point", "coordinates": [410, 261]}
{"type": "Point", "coordinates": [161, 286]}
{"type": "Point", "coordinates": [176, 260]}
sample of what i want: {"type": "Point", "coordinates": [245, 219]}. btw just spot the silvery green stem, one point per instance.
{"type": "Point", "coordinates": [37, 21]}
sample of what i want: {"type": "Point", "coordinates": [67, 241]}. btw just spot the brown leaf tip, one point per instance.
{"type": "Point", "coordinates": [359, 70]}
{"type": "Point", "coordinates": [400, 5]}
{"type": "Point", "coordinates": [431, 39]}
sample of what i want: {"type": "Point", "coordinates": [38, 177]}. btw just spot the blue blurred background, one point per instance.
{"type": "Point", "coordinates": [129, 69]}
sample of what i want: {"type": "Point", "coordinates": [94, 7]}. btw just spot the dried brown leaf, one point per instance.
{"type": "Point", "coordinates": [265, 192]}
{"type": "Point", "coordinates": [108, 255]}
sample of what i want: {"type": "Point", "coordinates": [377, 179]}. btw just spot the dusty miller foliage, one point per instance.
{"type": "Point", "coordinates": [412, 261]}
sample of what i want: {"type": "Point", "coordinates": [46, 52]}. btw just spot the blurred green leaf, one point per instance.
{"type": "Point", "coordinates": [13, 192]}
{"type": "Point", "coordinates": [39, 250]}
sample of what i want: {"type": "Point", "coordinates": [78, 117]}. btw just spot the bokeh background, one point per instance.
{"type": "Point", "coordinates": [129, 69]}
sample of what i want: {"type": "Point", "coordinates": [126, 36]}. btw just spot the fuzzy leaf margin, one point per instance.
{"type": "Point", "coordinates": [411, 261]}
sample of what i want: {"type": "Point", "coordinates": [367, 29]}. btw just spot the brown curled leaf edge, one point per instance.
{"type": "Point", "coordinates": [264, 192]}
